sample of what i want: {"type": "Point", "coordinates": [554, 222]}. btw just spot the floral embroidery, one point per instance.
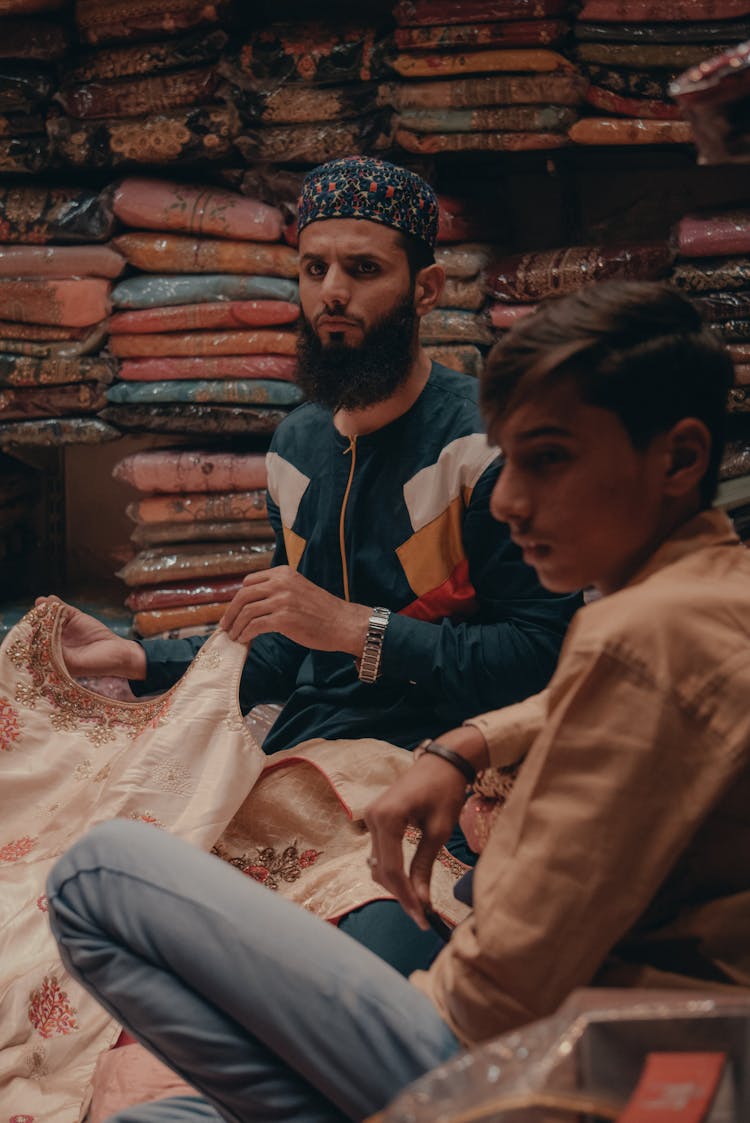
{"type": "Point", "coordinates": [98, 718]}
{"type": "Point", "coordinates": [36, 1065]}
{"type": "Point", "coordinates": [147, 817]}
{"type": "Point", "coordinates": [172, 776]}
{"type": "Point", "coordinates": [103, 772]}
{"type": "Point", "coordinates": [210, 657]}
{"type": "Point", "coordinates": [41, 903]}
{"type": "Point", "coordinates": [269, 866]}
{"type": "Point", "coordinates": [10, 726]}
{"type": "Point", "coordinates": [50, 1012]}
{"type": "Point", "coordinates": [83, 770]}
{"type": "Point", "coordinates": [453, 865]}
{"type": "Point", "coordinates": [16, 849]}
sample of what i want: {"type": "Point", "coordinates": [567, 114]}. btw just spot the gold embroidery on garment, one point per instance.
{"type": "Point", "coordinates": [84, 770]}
{"type": "Point", "coordinates": [270, 867]}
{"type": "Point", "coordinates": [210, 657]}
{"type": "Point", "coordinates": [172, 776]}
{"type": "Point", "coordinates": [10, 726]}
{"type": "Point", "coordinates": [147, 817]}
{"type": "Point", "coordinates": [453, 865]}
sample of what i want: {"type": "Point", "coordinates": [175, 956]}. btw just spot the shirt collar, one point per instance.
{"type": "Point", "coordinates": [708, 528]}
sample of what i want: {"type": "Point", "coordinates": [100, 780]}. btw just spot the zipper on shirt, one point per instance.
{"type": "Point", "coordinates": [342, 546]}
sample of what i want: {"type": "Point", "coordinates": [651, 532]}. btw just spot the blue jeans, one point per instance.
{"type": "Point", "coordinates": [268, 1011]}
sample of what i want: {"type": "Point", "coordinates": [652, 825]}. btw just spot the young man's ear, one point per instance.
{"type": "Point", "coordinates": [428, 288]}
{"type": "Point", "coordinates": [689, 454]}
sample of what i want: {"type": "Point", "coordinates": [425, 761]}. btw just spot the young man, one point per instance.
{"type": "Point", "coordinates": [623, 855]}
{"type": "Point", "coordinates": [396, 605]}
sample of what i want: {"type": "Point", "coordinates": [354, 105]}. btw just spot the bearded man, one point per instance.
{"type": "Point", "coordinates": [396, 606]}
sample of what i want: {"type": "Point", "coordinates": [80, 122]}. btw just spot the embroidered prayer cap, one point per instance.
{"type": "Point", "coordinates": [361, 187]}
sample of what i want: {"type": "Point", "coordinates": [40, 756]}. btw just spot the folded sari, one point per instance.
{"type": "Point", "coordinates": [56, 432]}
{"type": "Point", "coordinates": [23, 87]}
{"type": "Point", "coordinates": [195, 420]}
{"type": "Point", "coordinates": [717, 31]}
{"type": "Point", "coordinates": [17, 370]}
{"type": "Point", "coordinates": [152, 292]}
{"type": "Point", "coordinates": [108, 63]}
{"type": "Point", "coordinates": [610, 102]}
{"type": "Point", "coordinates": [714, 234]}
{"type": "Point", "coordinates": [60, 261]}
{"type": "Point", "coordinates": [164, 619]}
{"type": "Point", "coordinates": [183, 470]}
{"type": "Point", "coordinates": [207, 343]}
{"type": "Point", "coordinates": [479, 62]}
{"type": "Point", "coordinates": [736, 460]}
{"type": "Point", "coordinates": [429, 144]}
{"type": "Point", "coordinates": [178, 253]}
{"type": "Point", "coordinates": [448, 325]}
{"type": "Point", "coordinates": [81, 341]}
{"type": "Point", "coordinates": [464, 261]}
{"type": "Point", "coordinates": [465, 294]}
{"type": "Point", "coordinates": [515, 118]}
{"type": "Point", "coordinates": [720, 307]}
{"type": "Point", "coordinates": [71, 303]}
{"type": "Point", "coordinates": [709, 274]}
{"type": "Point", "coordinates": [465, 358]}
{"type": "Point", "coordinates": [136, 97]}
{"type": "Point", "coordinates": [555, 88]}
{"type": "Point", "coordinates": [312, 52]}
{"type": "Point", "coordinates": [504, 316]}
{"type": "Point", "coordinates": [36, 215]}
{"type": "Point", "coordinates": [235, 391]}
{"type": "Point", "coordinates": [528, 277]}
{"type": "Point", "coordinates": [192, 317]}
{"type": "Point", "coordinates": [281, 367]}
{"type": "Point", "coordinates": [318, 142]}
{"type": "Point", "coordinates": [677, 56]}
{"type": "Point", "coordinates": [153, 566]}
{"type": "Point", "coordinates": [417, 13]}
{"type": "Point", "coordinates": [611, 130]}
{"type": "Point", "coordinates": [202, 506]}
{"type": "Point", "coordinates": [33, 39]}
{"type": "Point", "coordinates": [629, 82]}
{"type": "Point", "coordinates": [13, 330]}
{"type": "Point", "coordinates": [17, 404]}
{"type": "Point", "coordinates": [101, 21]}
{"type": "Point", "coordinates": [730, 330]}
{"type": "Point", "coordinates": [682, 10]}
{"type": "Point", "coordinates": [25, 154]}
{"type": "Point", "coordinates": [515, 33]}
{"type": "Point", "coordinates": [176, 593]}
{"type": "Point", "coordinates": [304, 104]}
{"type": "Point", "coordinates": [739, 352]}
{"type": "Point", "coordinates": [157, 534]}
{"type": "Point", "coordinates": [158, 204]}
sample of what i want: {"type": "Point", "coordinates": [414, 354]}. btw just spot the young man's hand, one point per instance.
{"type": "Point", "coordinates": [429, 796]}
{"type": "Point", "coordinates": [91, 648]}
{"type": "Point", "coordinates": [282, 600]}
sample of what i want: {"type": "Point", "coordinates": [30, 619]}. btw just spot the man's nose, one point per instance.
{"type": "Point", "coordinates": [334, 290]}
{"type": "Point", "coordinates": [509, 501]}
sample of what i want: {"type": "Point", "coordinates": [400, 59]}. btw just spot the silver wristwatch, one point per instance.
{"type": "Point", "coordinates": [369, 664]}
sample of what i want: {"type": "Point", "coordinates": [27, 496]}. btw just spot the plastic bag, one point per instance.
{"type": "Point", "coordinates": [195, 420]}
{"type": "Point", "coordinates": [56, 432]}
{"type": "Point", "coordinates": [191, 470]}
{"type": "Point", "coordinates": [60, 261]}
{"type": "Point", "coordinates": [155, 534]}
{"type": "Point", "coordinates": [515, 33]}
{"type": "Point", "coordinates": [37, 215]}
{"type": "Point", "coordinates": [236, 391]}
{"type": "Point", "coordinates": [19, 403]}
{"type": "Point", "coordinates": [16, 370]}
{"type": "Point", "coordinates": [151, 292]}
{"type": "Point", "coordinates": [465, 294]}
{"type": "Point", "coordinates": [208, 343]}
{"type": "Point", "coordinates": [282, 367]}
{"type": "Point", "coordinates": [500, 89]}
{"type": "Point", "coordinates": [158, 204]}
{"type": "Point", "coordinates": [416, 13]}
{"type": "Point", "coordinates": [179, 593]}
{"type": "Point", "coordinates": [135, 97]}
{"type": "Point", "coordinates": [428, 144]}
{"type": "Point", "coordinates": [101, 21]}
{"type": "Point", "coordinates": [150, 567]}
{"type": "Point", "coordinates": [208, 506]}
{"type": "Point", "coordinates": [447, 325]}
{"type": "Point", "coordinates": [526, 278]}
{"type": "Point", "coordinates": [502, 60]}
{"type": "Point", "coordinates": [608, 130]}
{"type": "Point", "coordinates": [71, 303]}
{"type": "Point", "coordinates": [146, 58]}
{"type": "Point", "coordinates": [181, 253]}
{"type": "Point", "coordinates": [714, 234]}
{"type": "Point", "coordinates": [193, 317]}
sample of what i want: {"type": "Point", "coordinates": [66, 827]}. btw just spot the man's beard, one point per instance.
{"type": "Point", "coordinates": [339, 376]}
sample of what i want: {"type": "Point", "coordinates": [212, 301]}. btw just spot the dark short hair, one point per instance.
{"type": "Point", "coordinates": [418, 254]}
{"type": "Point", "coordinates": [637, 348]}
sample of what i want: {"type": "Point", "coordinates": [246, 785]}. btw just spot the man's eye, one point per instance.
{"type": "Point", "coordinates": [547, 458]}
{"type": "Point", "coordinates": [367, 267]}
{"type": "Point", "coordinates": [316, 269]}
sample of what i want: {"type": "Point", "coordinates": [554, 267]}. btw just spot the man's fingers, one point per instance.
{"type": "Point", "coordinates": [420, 872]}
{"type": "Point", "coordinates": [387, 862]}
{"type": "Point", "coordinates": [248, 594]}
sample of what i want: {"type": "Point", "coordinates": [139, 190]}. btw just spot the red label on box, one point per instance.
{"type": "Point", "coordinates": [675, 1088]}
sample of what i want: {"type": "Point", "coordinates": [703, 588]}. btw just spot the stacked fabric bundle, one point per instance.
{"type": "Point", "coordinates": [55, 298]}
{"type": "Point", "coordinates": [201, 526]}
{"type": "Point", "coordinates": [205, 333]}
{"type": "Point", "coordinates": [152, 102]}
{"type": "Point", "coordinates": [503, 86]}
{"type": "Point", "coordinates": [713, 268]}
{"type": "Point", "coordinates": [307, 92]}
{"type": "Point", "coordinates": [517, 283]}
{"type": "Point", "coordinates": [29, 50]}
{"type": "Point", "coordinates": [632, 50]}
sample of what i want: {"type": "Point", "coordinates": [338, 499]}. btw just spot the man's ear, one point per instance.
{"type": "Point", "coordinates": [428, 288]}
{"type": "Point", "coordinates": [689, 451]}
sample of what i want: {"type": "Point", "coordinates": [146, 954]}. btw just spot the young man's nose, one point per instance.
{"type": "Point", "coordinates": [509, 502]}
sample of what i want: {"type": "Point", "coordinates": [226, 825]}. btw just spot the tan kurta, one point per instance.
{"type": "Point", "coordinates": [623, 855]}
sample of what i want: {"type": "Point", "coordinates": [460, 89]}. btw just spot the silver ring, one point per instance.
{"type": "Point", "coordinates": [372, 862]}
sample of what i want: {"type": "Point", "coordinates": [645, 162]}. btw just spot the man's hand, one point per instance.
{"type": "Point", "coordinates": [91, 648]}
{"type": "Point", "coordinates": [282, 600]}
{"type": "Point", "coordinates": [429, 796]}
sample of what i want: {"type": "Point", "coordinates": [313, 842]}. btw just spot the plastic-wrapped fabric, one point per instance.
{"type": "Point", "coordinates": [176, 593]}
{"type": "Point", "coordinates": [610, 102]}
{"type": "Point", "coordinates": [107, 63]}
{"type": "Point", "coordinates": [736, 460]}
{"type": "Point", "coordinates": [26, 154]}
{"type": "Point", "coordinates": [721, 306]}
{"type": "Point", "coordinates": [515, 33]}
{"type": "Point", "coordinates": [164, 619]}
{"type": "Point", "coordinates": [629, 82]}
{"type": "Point", "coordinates": [198, 343]}
{"type": "Point", "coordinates": [60, 261]}
{"type": "Point", "coordinates": [303, 104]}
{"type": "Point", "coordinates": [182, 470]}
{"type": "Point", "coordinates": [463, 262]}
{"type": "Point", "coordinates": [429, 144]}
{"type": "Point", "coordinates": [714, 234]}
{"type": "Point", "coordinates": [33, 39]}
{"type": "Point", "coordinates": [504, 316]}
{"type": "Point", "coordinates": [466, 358]}
{"type": "Point", "coordinates": [464, 93]}
{"type": "Point", "coordinates": [82, 341]}
{"type": "Point", "coordinates": [643, 11]}
{"type": "Point", "coordinates": [102, 21]}
{"type": "Point", "coordinates": [152, 292]}
{"type": "Point", "coordinates": [281, 367]}
{"type": "Point", "coordinates": [730, 330]}
{"type": "Point", "coordinates": [710, 274]}
{"type": "Point", "coordinates": [449, 325]}
{"type": "Point", "coordinates": [17, 404]}
{"type": "Point", "coordinates": [37, 215]}
{"type": "Point", "coordinates": [195, 420]}
{"type": "Point", "coordinates": [12, 330]}
{"type": "Point", "coordinates": [156, 534]}
{"type": "Point", "coordinates": [166, 563]}
{"type": "Point", "coordinates": [315, 52]}
{"type": "Point", "coordinates": [21, 124]}
{"type": "Point", "coordinates": [72, 303]}
{"type": "Point", "coordinates": [528, 277]}
{"type": "Point", "coordinates": [717, 31]}
{"type": "Point", "coordinates": [181, 253]}
{"type": "Point", "coordinates": [739, 353]}
{"type": "Point", "coordinates": [318, 142]}
{"type": "Point", "coordinates": [742, 374]}
{"type": "Point", "coordinates": [136, 97]}
{"type": "Point", "coordinates": [674, 56]}
{"type": "Point", "coordinates": [714, 98]}
{"type": "Point", "coordinates": [18, 370]}
{"type": "Point", "coordinates": [621, 130]}
{"type": "Point", "coordinates": [198, 133]}
{"type": "Point", "coordinates": [23, 87]}
{"type": "Point", "coordinates": [478, 62]}
{"type": "Point", "coordinates": [201, 506]}
{"type": "Point", "coordinates": [418, 13]}
{"type": "Point", "coordinates": [160, 204]}
{"type": "Point", "coordinates": [56, 432]}
{"type": "Point", "coordinates": [235, 391]}
{"type": "Point", "coordinates": [458, 293]}
{"type": "Point", "coordinates": [516, 118]}
{"type": "Point", "coordinates": [195, 317]}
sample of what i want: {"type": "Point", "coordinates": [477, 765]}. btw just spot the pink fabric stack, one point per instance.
{"type": "Point", "coordinates": [200, 526]}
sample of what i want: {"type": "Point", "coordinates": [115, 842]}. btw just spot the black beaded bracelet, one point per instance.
{"type": "Point", "coordinates": [454, 758]}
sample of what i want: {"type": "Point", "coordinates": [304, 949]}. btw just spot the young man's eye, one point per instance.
{"type": "Point", "coordinates": [368, 268]}
{"type": "Point", "coordinates": [546, 458]}
{"type": "Point", "coordinates": [315, 269]}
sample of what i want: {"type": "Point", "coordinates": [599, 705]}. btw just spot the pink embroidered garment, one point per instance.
{"type": "Point", "coordinates": [185, 762]}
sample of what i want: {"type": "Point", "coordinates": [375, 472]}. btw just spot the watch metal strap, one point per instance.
{"type": "Point", "coordinates": [369, 665]}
